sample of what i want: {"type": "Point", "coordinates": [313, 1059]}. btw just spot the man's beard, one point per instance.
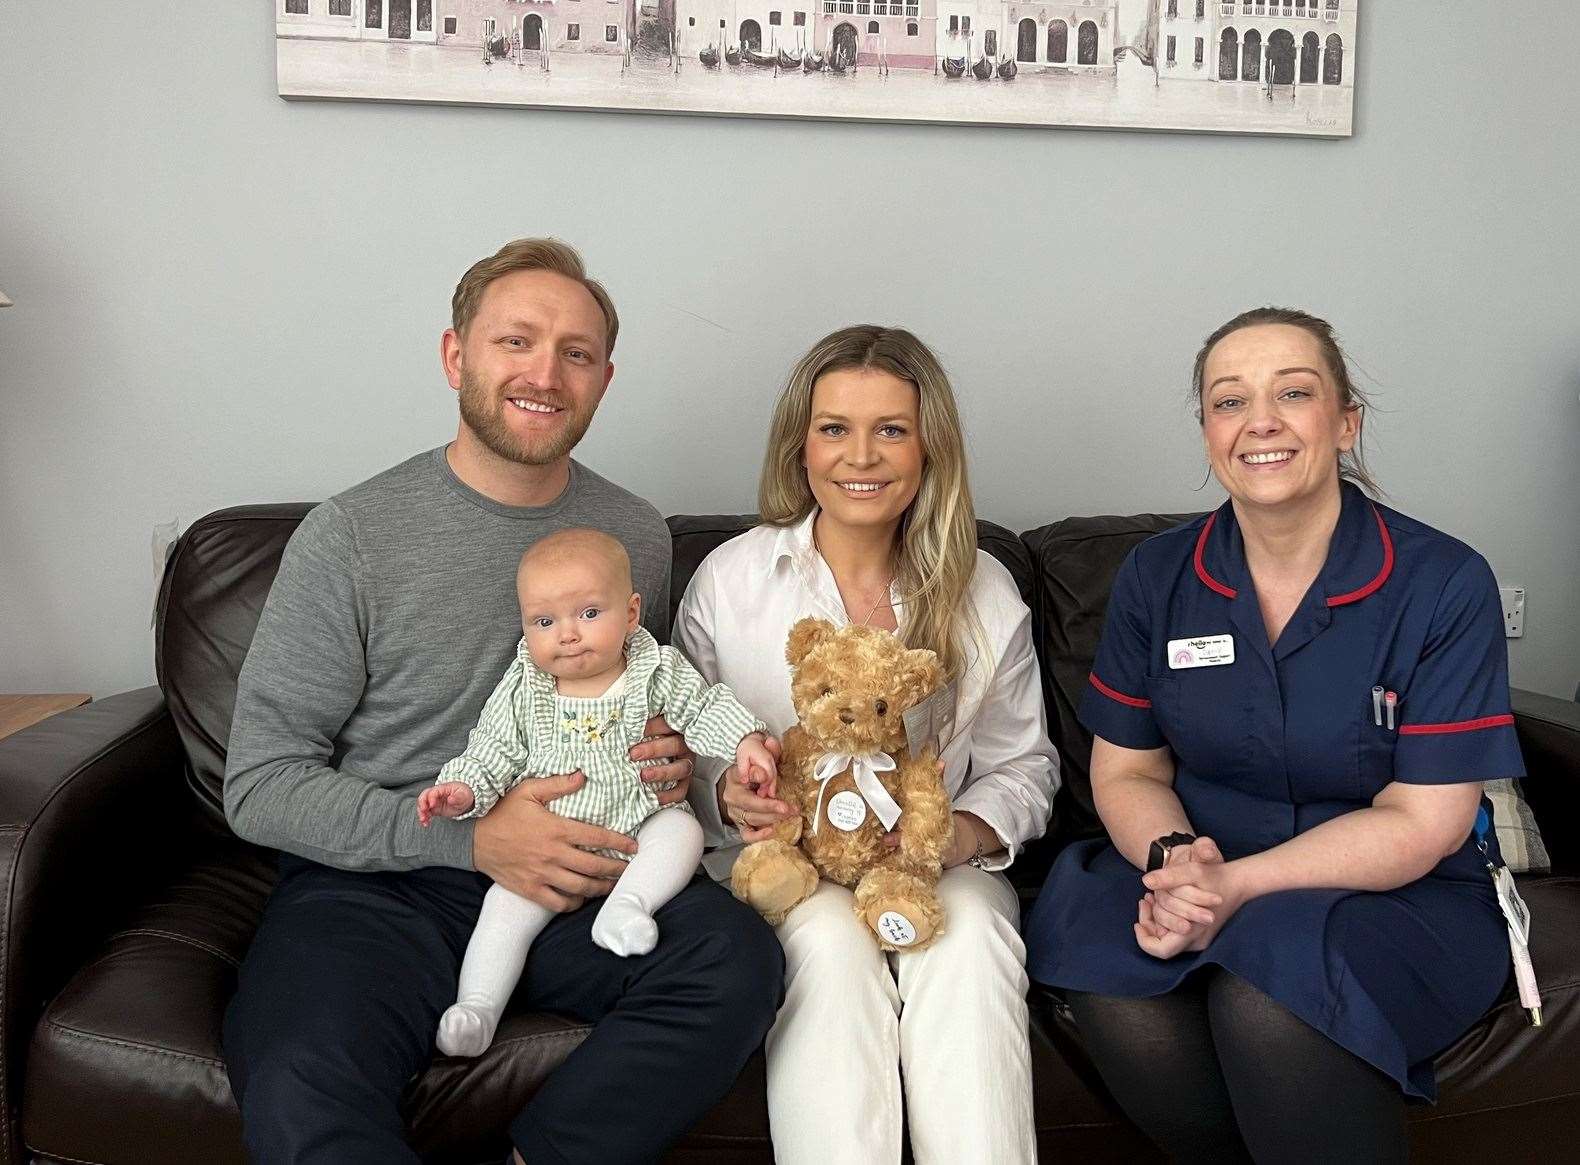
{"type": "Point", "coordinates": [483, 412]}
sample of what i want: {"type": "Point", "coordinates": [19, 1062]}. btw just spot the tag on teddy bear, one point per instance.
{"type": "Point", "coordinates": [932, 721]}
{"type": "Point", "coordinates": [896, 928]}
{"type": "Point", "coordinates": [846, 811]}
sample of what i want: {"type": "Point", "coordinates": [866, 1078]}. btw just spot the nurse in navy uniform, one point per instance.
{"type": "Point", "coordinates": [1295, 702]}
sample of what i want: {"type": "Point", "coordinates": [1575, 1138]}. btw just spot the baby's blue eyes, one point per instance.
{"type": "Point", "coordinates": [544, 622]}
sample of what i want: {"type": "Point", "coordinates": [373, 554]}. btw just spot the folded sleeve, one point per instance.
{"type": "Point", "coordinates": [709, 717]}
{"type": "Point", "coordinates": [1010, 749]}
{"type": "Point", "coordinates": [1456, 723]}
{"type": "Point", "coordinates": [496, 748]}
{"type": "Point", "coordinates": [1114, 705]}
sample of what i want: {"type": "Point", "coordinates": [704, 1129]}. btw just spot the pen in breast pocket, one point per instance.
{"type": "Point", "coordinates": [1390, 701]}
{"type": "Point", "coordinates": [1377, 699]}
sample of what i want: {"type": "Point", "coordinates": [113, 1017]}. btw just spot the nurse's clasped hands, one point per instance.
{"type": "Point", "coordinates": [1188, 901]}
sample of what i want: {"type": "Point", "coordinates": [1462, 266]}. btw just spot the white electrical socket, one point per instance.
{"type": "Point", "coordinates": [1513, 611]}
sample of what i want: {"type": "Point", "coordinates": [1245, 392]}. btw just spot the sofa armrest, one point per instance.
{"type": "Point", "coordinates": [1549, 730]}
{"type": "Point", "coordinates": [93, 807]}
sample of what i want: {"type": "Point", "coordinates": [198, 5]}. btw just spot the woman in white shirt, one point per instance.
{"type": "Point", "coordinates": [868, 519]}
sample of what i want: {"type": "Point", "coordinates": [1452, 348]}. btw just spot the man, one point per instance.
{"type": "Point", "coordinates": [391, 619]}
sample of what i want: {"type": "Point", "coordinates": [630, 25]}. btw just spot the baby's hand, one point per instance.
{"type": "Point", "coordinates": [758, 769]}
{"type": "Point", "coordinates": [450, 799]}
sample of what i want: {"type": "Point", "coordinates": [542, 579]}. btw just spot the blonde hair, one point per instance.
{"type": "Point", "coordinates": [935, 552]}
{"type": "Point", "coordinates": [530, 255]}
{"type": "Point", "coordinates": [579, 544]}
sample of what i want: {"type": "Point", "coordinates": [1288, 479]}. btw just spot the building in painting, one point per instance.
{"type": "Point", "coordinates": [1078, 35]}
{"type": "Point", "coordinates": [584, 26]}
{"type": "Point", "coordinates": [1278, 42]}
{"type": "Point", "coordinates": [397, 20]}
{"type": "Point", "coordinates": [1186, 33]}
{"type": "Point", "coordinates": [768, 26]}
{"type": "Point", "coordinates": [1286, 42]}
{"type": "Point", "coordinates": [972, 29]}
{"type": "Point", "coordinates": [902, 33]}
{"type": "Point", "coordinates": [704, 24]}
{"type": "Point", "coordinates": [598, 26]}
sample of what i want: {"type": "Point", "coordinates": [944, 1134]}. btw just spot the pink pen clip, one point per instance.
{"type": "Point", "coordinates": [1390, 702]}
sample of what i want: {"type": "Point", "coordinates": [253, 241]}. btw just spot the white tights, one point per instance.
{"type": "Point", "coordinates": [669, 845]}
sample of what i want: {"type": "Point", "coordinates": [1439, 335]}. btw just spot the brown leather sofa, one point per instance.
{"type": "Point", "coordinates": [128, 904]}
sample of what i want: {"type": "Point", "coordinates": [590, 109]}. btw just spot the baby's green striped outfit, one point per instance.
{"type": "Point", "coordinates": [527, 729]}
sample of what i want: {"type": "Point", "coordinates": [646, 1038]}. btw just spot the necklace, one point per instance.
{"type": "Point", "coordinates": [883, 592]}
{"type": "Point", "coordinates": [883, 597]}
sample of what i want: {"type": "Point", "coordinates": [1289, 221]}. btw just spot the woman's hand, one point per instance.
{"type": "Point", "coordinates": [740, 803]}
{"type": "Point", "coordinates": [969, 829]}
{"type": "Point", "coordinates": [1203, 875]}
{"type": "Point", "coordinates": [660, 742]}
{"type": "Point", "coordinates": [1181, 908]}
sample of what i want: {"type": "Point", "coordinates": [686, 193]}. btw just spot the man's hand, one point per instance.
{"type": "Point", "coordinates": [541, 856]}
{"type": "Point", "coordinates": [451, 799]}
{"type": "Point", "coordinates": [659, 740]}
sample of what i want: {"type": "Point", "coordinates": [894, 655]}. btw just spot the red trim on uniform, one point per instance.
{"type": "Point", "coordinates": [1382, 575]}
{"type": "Point", "coordinates": [1201, 567]}
{"type": "Point", "coordinates": [1457, 726]}
{"type": "Point", "coordinates": [1133, 701]}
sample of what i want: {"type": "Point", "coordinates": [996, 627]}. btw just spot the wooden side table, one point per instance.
{"type": "Point", "coordinates": [17, 712]}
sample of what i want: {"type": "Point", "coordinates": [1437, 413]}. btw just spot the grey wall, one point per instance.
{"type": "Point", "coordinates": [223, 297]}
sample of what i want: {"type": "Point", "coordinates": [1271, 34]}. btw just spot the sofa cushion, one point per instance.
{"type": "Point", "coordinates": [1503, 1063]}
{"type": "Point", "coordinates": [1074, 562]}
{"type": "Point", "coordinates": [212, 594]}
{"type": "Point", "coordinates": [129, 1053]}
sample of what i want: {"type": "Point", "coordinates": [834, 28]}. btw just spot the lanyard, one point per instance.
{"type": "Point", "coordinates": [1518, 917]}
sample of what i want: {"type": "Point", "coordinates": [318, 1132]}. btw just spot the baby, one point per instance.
{"type": "Point", "coordinates": [585, 680]}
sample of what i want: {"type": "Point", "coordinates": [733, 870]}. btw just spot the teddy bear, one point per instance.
{"type": "Point", "coordinates": [847, 771]}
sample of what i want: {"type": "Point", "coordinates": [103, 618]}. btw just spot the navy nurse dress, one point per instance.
{"type": "Point", "coordinates": [1283, 739]}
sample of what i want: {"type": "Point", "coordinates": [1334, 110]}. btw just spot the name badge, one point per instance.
{"type": "Point", "coordinates": [1202, 651]}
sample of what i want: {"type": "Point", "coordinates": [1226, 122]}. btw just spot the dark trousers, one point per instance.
{"type": "Point", "coordinates": [342, 989]}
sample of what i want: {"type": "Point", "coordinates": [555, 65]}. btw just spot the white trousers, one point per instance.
{"type": "Point", "coordinates": [951, 1018]}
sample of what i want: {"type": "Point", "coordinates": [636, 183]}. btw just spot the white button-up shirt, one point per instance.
{"type": "Point", "coordinates": [733, 623]}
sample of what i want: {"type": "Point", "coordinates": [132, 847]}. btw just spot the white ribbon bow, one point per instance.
{"type": "Point", "coordinates": [865, 769]}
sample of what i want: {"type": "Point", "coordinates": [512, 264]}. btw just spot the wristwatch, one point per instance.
{"type": "Point", "coordinates": [1158, 851]}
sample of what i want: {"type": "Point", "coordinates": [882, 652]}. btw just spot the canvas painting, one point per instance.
{"type": "Point", "coordinates": [1237, 66]}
